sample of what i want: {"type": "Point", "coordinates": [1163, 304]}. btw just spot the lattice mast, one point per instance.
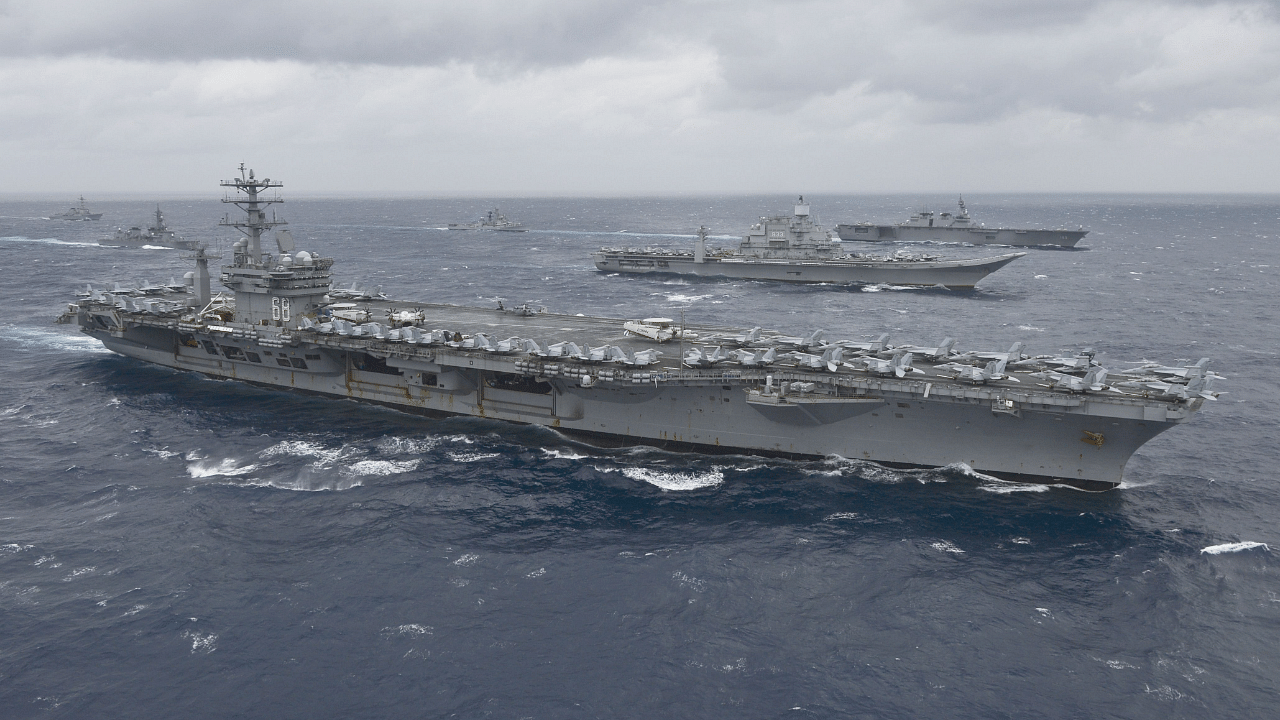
{"type": "Point", "coordinates": [254, 207]}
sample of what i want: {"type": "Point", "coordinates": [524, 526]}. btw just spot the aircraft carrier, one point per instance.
{"type": "Point", "coordinates": [924, 226]}
{"type": "Point", "coordinates": [703, 388]}
{"type": "Point", "coordinates": [795, 249]}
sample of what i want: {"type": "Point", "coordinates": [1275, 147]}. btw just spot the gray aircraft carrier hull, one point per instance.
{"type": "Point", "coordinates": [973, 236]}
{"type": "Point", "coordinates": [1004, 430]}
{"type": "Point", "coordinates": [947, 273]}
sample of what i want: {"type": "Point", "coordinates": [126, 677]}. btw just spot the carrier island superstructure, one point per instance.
{"type": "Point", "coordinates": [699, 388]}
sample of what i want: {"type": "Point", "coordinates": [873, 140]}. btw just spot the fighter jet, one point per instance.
{"type": "Point", "coordinates": [994, 370]}
{"type": "Point", "coordinates": [935, 354]}
{"type": "Point", "coordinates": [899, 365]}
{"type": "Point", "coordinates": [829, 359]}
{"type": "Point", "coordinates": [1015, 353]}
{"type": "Point", "coordinates": [1186, 371]}
{"type": "Point", "coordinates": [879, 345]}
{"type": "Point", "coordinates": [1201, 386]}
{"type": "Point", "coordinates": [802, 342]}
{"type": "Point", "coordinates": [755, 358]}
{"type": "Point", "coordinates": [642, 357]}
{"type": "Point", "coordinates": [746, 338]}
{"type": "Point", "coordinates": [598, 354]}
{"type": "Point", "coordinates": [1093, 381]}
{"type": "Point", "coordinates": [1080, 362]}
{"type": "Point", "coordinates": [695, 357]}
{"type": "Point", "coordinates": [567, 350]}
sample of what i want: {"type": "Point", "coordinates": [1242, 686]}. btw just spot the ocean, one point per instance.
{"type": "Point", "coordinates": [174, 546]}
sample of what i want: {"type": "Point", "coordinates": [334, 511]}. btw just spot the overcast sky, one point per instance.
{"type": "Point", "coordinates": [563, 97]}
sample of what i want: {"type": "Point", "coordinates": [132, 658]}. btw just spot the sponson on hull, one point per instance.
{"type": "Point", "coordinates": [795, 249]}
{"type": "Point", "coordinates": [707, 388]}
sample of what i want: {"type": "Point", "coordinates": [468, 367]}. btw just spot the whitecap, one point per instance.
{"type": "Point", "coordinates": [1234, 547]}
{"type": "Point", "coordinates": [48, 241]}
{"type": "Point", "coordinates": [411, 629]}
{"type": "Point", "coordinates": [302, 448]}
{"type": "Point", "coordinates": [305, 483]}
{"type": "Point", "coordinates": [409, 446]}
{"type": "Point", "coordinates": [1030, 328]}
{"type": "Point", "coordinates": [466, 560]}
{"type": "Point", "coordinates": [471, 457]}
{"type": "Point", "coordinates": [224, 467]}
{"type": "Point", "coordinates": [381, 467]}
{"type": "Point", "coordinates": [678, 298]}
{"type": "Point", "coordinates": [841, 516]}
{"type": "Point", "coordinates": [31, 337]}
{"type": "Point", "coordinates": [946, 546]}
{"type": "Point", "coordinates": [564, 454]}
{"type": "Point", "coordinates": [676, 481]}
{"type": "Point", "coordinates": [1003, 487]}
{"type": "Point", "coordinates": [201, 643]}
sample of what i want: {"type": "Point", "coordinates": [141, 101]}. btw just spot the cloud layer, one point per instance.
{"type": "Point", "coordinates": [631, 97]}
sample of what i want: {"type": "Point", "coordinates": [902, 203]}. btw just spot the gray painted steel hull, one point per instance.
{"type": "Point", "coordinates": [948, 273]}
{"type": "Point", "coordinates": [972, 236]}
{"type": "Point", "coordinates": [1010, 432]}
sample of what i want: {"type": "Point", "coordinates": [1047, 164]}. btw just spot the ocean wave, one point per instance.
{"type": "Point", "coordinates": [303, 448]}
{"type": "Point", "coordinates": [380, 467]}
{"type": "Point", "coordinates": [676, 481]}
{"type": "Point", "coordinates": [224, 467]}
{"type": "Point", "coordinates": [1234, 548]}
{"type": "Point", "coordinates": [564, 454]}
{"type": "Point", "coordinates": [47, 241]}
{"type": "Point", "coordinates": [471, 457]}
{"type": "Point", "coordinates": [51, 339]}
{"type": "Point", "coordinates": [406, 446]}
{"type": "Point", "coordinates": [1003, 487]}
{"type": "Point", "coordinates": [304, 483]}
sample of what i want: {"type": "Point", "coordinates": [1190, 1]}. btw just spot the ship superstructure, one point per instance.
{"type": "Point", "coordinates": [926, 226]}
{"type": "Point", "coordinates": [700, 387]}
{"type": "Point", "coordinates": [792, 248]}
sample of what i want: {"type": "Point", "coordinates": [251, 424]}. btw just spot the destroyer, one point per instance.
{"type": "Point", "coordinates": [958, 228]}
{"type": "Point", "coordinates": [795, 249]}
{"type": "Point", "coordinates": [493, 220]}
{"type": "Point", "coordinates": [77, 212]}
{"type": "Point", "coordinates": [1040, 419]}
{"type": "Point", "coordinates": [158, 235]}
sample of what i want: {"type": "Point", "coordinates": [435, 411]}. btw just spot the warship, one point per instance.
{"type": "Point", "coordinates": [157, 235]}
{"type": "Point", "coordinates": [77, 212]}
{"type": "Point", "coordinates": [795, 249]}
{"type": "Point", "coordinates": [703, 387]}
{"type": "Point", "coordinates": [493, 220]}
{"type": "Point", "coordinates": [958, 228]}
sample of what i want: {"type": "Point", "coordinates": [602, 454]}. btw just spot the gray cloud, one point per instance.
{"type": "Point", "coordinates": [547, 90]}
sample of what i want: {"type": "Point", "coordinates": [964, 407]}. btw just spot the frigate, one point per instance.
{"type": "Point", "coordinates": [699, 387]}
{"type": "Point", "coordinates": [77, 212]}
{"type": "Point", "coordinates": [493, 220]}
{"type": "Point", "coordinates": [959, 228]}
{"type": "Point", "coordinates": [157, 235]}
{"type": "Point", "coordinates": [795, 249]}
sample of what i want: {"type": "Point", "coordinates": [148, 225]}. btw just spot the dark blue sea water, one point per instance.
{"type": "Point", "coordinates": [172, 546]}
